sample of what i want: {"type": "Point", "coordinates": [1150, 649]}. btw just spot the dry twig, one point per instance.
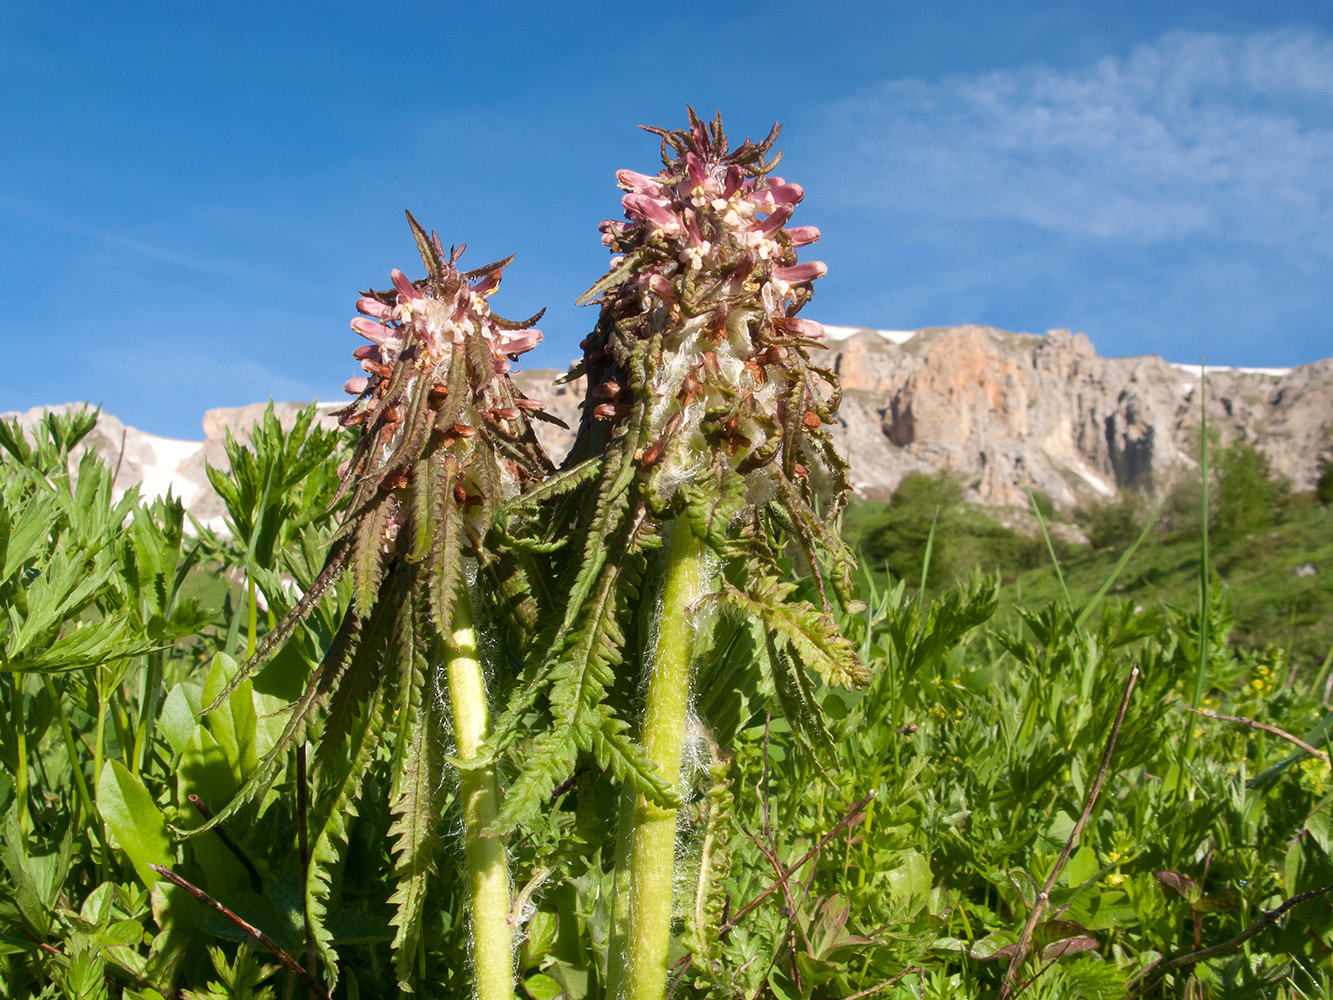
{"type": "Point", "coordinates": [853, 815]}
{"type": "Point", "coordinates": [278, 951]}
{"type": "Point", "coordinates": [1160, 968]}
{"type": "Point", "coordinates": [1256, 724]}
{"type": "Point", "coordinates": [1043, 897]}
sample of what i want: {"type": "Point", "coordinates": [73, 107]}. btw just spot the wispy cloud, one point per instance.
{"type": "Point", "coordinates": [1192, 136]}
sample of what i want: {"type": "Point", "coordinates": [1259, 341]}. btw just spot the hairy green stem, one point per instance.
{"type": "Point", "coordinates": [19, 715]}
{"type": "Point", "coordinates": [618, 932]}
{"type": "Point", "coordinates": [487, 866]}
{"type": "Point", "coordinates": [653, 849]}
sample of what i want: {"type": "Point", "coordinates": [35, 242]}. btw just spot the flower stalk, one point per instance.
{"type": "Point", "coordinates": [479, 790]}
{"type": "Point", "coordinates": [444, 442]}
{"type": "Point", "coordinates": [653, 837]}
{"type": "Point", "coordinates": [703, 418]}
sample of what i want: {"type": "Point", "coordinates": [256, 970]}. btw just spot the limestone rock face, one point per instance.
{"type": "Point", "coordinates": [1006, 412]}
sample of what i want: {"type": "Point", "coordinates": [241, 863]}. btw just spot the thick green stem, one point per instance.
{"type": "Point", "coordinates": [653, 851]}
{"type": "Point", "coordinates": [487, 866]}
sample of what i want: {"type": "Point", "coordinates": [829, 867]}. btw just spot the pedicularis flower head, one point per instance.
{"type": "Point", "coordinates": [699, 333]}
{"type": "Point", "coordinates": [445, 436]}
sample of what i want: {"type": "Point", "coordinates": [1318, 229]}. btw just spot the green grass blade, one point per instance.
{"type": "Point", "coordinates": [1046, 537]}
{"type": "Point", "coordinates": [1121, 563]}
{"type": "Point", "coordinates": [925, 561]}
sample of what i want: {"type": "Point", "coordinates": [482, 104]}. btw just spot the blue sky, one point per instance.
{"type": "Point", "coordinates": [191, 195]}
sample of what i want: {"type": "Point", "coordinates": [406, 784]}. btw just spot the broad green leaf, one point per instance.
{"type": "Point", "coordinates": [96, 909]}
{"type": "Point", "coordinates": [176, 720]}
{"type": "Point", "coordinates": [1081, 867]}
{"type": "Point", "coordinates": [134, 821]}
{"type": "Point", "coordinates": [234, 723]}
{"type": "Point", "coordinates": [28, 895]}
{"type": "Point", "coordinates": [540, 986]}
{"type": "Point", "coordinates": [910, 881]}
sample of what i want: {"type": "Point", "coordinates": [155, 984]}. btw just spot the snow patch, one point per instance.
{"type": "Point", "coordinates": [169, 454]}
{"type": "Point", "coordinates": [1096, 482]}
{"type": "Point", "coordinates": [1193, 369]}
{"type": "Point", "coordinates": [843, 332]}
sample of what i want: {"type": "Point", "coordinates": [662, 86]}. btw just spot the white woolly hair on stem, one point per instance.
{"type": "Point", "coordinates": [652, 833]}
{"type": "Point", "coordinates": [487, 862]}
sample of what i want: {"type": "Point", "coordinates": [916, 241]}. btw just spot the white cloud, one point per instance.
{"type": "Point", "coordinates": [1222, 137]}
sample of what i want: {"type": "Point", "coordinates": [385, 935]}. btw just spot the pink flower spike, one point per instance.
{"type": "Point", "coordinates": [807, 271]}
{"type": "Point", "coordinates": [651, 210]}
{"type": "Point", "coordinates": [367, 306]}
{"type": "Point", "coordinates": [632, 180]}
{"type": "Point", "coordinates": [376, 333]}
{"type": "Point", "coordinates": [803, 235]}
{"type": "Point", "coordinates": [405, 288]}
{"type": "Point", "coordinates": [356, 386]}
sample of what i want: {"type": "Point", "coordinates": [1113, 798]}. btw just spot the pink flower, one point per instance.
{"type": "Point", "coordinates": [517, 341]}
{"type": "Point", "coordinates": [700, 178]}
{"type": "Point", "coordinates": [356, 386]}
{"type": "Point", "coordinates": [405, 287]}
{"type": "Point", "coordinates": [775, 221]}
{"type": "Point", "coordinates": [806, 328]}
{"type": "Point", "coordinates": [373, 307]}
{"type": "Point", "coordinates": [803, 235]}
{"type": "Point", "coordinates": [377, 333]}
{"type": "Point", "coordinates": [776, 195]}
{"type": "Point", "coordinates": [653, 210]}
{"type": "Point", "coordinates": [639, 183]}
{"type": "Point", "coordinates": [806, 271]}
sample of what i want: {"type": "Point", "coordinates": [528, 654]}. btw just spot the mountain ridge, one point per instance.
{"type": "Point", "coordinates": [1006, 412]}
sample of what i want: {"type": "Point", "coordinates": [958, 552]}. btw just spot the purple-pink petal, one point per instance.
{"type": "Point", "coordinates": [373, 307]}
{"type": "Point", "coordinates": [803, 235]}
{"type": "Point", "coordinates": [698, 175]}
{"type": "Point", "coordinates": [776, 221]}
{"type": "Point", "coordinates": [518, 341]}
{"type": "Point", "coordinates": [775, 195]}
{"type": "Point", "coordinates": [660, 286]}
{"type": "Point", "coordinates": [805, 271]}
{"type": "Point", "coordinates": [632, 180]}
{"type": "Point", "coordinates": [807, 328]}
{"type": "Point", "coordinates": [368, 352]}
{"type": "Point", "coordinates": [488, 284]}
{"type": "Point", "coordinates": [735, 177]}
{"type": "Point", "coordinates": [692, 226]}
{"type": "Point", "coordinates": [653, 210]}
{"type": "Point", "coordinates": [405, 287]}
{"type": "Point", "coordinates": [376, 333]}
{"type": "Point", "coordinates": [356, 386]}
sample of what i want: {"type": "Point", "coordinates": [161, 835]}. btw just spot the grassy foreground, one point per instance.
{"type": "Point", "coordinates": [910, 859]}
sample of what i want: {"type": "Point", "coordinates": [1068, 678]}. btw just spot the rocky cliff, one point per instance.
{"type": "Point", "coordinates": [1005, 411]}
{"type": "Point", "coordinates": [1010, 411]}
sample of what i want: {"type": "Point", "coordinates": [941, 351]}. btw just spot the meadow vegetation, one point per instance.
{"type": "Point", "coordinates": [434, 716]}
{"type": "Point", "coordinates": [910, 857]}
